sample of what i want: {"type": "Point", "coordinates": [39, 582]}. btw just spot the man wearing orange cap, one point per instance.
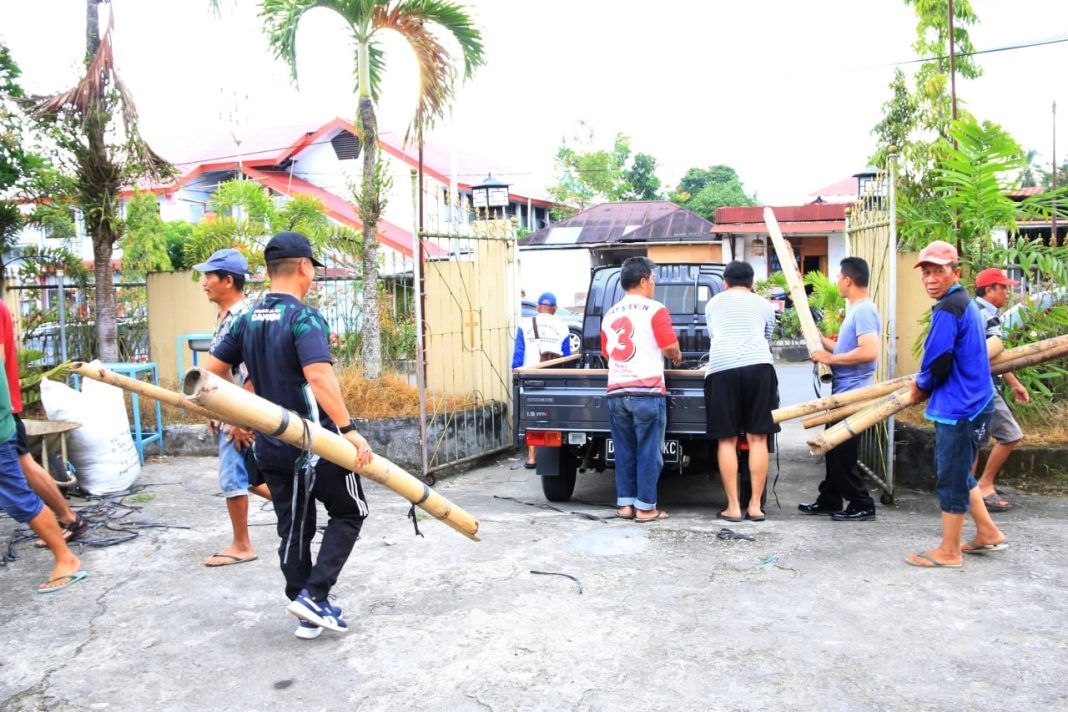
{"type": "Point", "coordinates": [991, 295]}
{"type": "Point", "coordinates": [955, 375]}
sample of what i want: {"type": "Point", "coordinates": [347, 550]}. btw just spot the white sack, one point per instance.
{"type": "Point", "coordinates": [102, 450]}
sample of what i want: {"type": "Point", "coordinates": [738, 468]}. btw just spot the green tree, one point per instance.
{"type": "Point", "coordinates": [419, 22]}
{"type": "Point", "coordinates": [915, 120]}
{"type": "Point", "coordinates": [702, 190]}
{"type": "Point", "coordinates": [587, 173]}
{"type": "Point", "coordinates": [144, 244]}
{"type": "Point", "coordinates": [244, 217]}
{"type": "Point", "coordinates": [94, 125]}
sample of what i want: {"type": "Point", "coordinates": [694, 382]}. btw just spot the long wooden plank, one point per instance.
{"type": "Point", "coordinates": [809, 330]}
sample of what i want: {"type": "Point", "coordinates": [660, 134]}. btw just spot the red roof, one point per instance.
{"type": "Point", "coordinates": [843, 187]}
{"type": "Point", "coordinates": [792, 219]}
{"type": "Point", "coordinates": [341, 210]}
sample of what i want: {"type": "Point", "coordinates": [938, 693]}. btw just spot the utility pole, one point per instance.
{"type": "Point", "coordinates": [1053, 222]}
{"type": "Point", "coordinates": [952, 65]}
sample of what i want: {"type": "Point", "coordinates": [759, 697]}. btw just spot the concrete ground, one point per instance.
{"type": "Point", "coordinates": [664, 616]}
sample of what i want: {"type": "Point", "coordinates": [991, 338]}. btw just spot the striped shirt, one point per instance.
{"type": "Point", "coordinates": [740, 324]}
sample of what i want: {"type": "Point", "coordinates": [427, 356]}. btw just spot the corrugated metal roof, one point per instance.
{"type": "Point", "coordinates": [626, 222]}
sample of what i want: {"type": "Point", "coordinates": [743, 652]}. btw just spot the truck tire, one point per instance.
{"type": "Point", "coordinates": [562, 486]}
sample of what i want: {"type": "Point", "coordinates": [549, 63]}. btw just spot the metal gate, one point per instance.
{"type": "Point", "coordinates": [871, 232]}
{"type": "Point", "coordinates": [466, 308]}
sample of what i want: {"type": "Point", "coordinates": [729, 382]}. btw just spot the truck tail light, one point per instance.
{"type": "Point", "coordinates": [544, 438]}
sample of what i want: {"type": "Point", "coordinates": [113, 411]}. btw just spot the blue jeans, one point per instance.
{"type": "Point", "coordinates": [955, 448]}
{"type": "Point", "coordinates": [233, 476]}
{"type": "Point", "coordinates": [638, 424]}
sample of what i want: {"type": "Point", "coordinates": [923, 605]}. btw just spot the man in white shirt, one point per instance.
{"type": "Point", "coordinates": [741, 387]}
{"type": "Point", "coordinates": [541, 337]}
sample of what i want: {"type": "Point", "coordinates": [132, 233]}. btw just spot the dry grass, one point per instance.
{"type": "Point", "coordinates": [1041, 427]}
{"type": "Point", "coordinates": [388, 397]}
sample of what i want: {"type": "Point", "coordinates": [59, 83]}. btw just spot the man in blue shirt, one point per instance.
{"type": "Point", "coordinates": [955, 373]}
{"type": "Point", "coordinates": [284, 344]}
{"type": "Point", "coordinates": [852, 360]}
{"type": "Point", "coordinates": [537, 339]}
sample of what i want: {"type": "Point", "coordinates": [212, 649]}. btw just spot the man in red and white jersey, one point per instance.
{"type": "Point", "coordinates": [636, 335]}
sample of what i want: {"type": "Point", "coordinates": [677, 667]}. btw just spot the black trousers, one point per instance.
{"type": "Point", "coordinates": [843, 480]}
{"type": "Point", "coordinates": [341, 493]}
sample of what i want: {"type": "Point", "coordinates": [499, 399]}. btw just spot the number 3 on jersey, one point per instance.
{"type": "Point", "coordinates": [624, 349]}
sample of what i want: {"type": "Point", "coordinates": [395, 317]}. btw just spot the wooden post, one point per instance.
{"type": "Point", "coordinates": [235, 404]}
{"type": "Point", "coordinates": [797, 291]}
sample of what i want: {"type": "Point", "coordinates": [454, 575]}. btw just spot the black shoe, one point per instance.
{"type": "Point", "coordinates": [854, 515]}
{"type": "Point", "coordinates": [816, 508]}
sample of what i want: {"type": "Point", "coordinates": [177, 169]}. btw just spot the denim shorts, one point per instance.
{"type": "Point", "coordinates": [233, 475]}
{"type": "Point", "coordinates": [955, 448]}
{"type": "Point", "coordinates": [16, 497]}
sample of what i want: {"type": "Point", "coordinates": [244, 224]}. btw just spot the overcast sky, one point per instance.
{"type": "Point", "coordinates": [784, 91]}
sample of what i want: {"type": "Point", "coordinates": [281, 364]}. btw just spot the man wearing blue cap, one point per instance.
{"type": "Point", "coordinates": [285, 345]}
{"type": "Point", "coordinates": [223, 280]}
{"type": "Point", "coordinates": [541, 337]}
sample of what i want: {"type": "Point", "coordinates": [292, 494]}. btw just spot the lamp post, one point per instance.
{"type": "Point", "coordinates": [489, 194]}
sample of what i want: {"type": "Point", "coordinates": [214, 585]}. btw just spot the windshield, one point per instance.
{"type": "Point", "coordinates": [686, 298]}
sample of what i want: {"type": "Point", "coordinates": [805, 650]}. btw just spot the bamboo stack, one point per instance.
{"type": "Point", "coordinates": [881, 409]}
{"type": "Point", "coordinates": [233, 404]}
{"type": "Point", "coordinates": [214, 398]}
{"type": "Point", "coordinates": [809, 330]}
{"type": "Point", "coordinates": [869, 394]}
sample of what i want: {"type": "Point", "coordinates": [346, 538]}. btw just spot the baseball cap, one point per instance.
{"type": "Point", "coordinates": [289, 244]}
{"type": "Point", "coordinates": [938, 252]}
{"type": "Point", "coordinates": [225, 260]}
{"type": "Point", "coordinates": [992, 275]}
{"type": "Point", "coordinates": [547, 299]}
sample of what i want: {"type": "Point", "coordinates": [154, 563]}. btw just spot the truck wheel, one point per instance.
{"type": "Point", "coordinates": [745, 485]}
{"type": "Point", "coordinates": [562, 486]}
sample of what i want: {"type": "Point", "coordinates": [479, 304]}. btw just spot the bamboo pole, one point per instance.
{"type": "Point", "coordinates": [836, 414]}
{"type": "Point", "coordinates": [859, 422]}
{"type": "Point", "coordinates": [994, 347]}
{"type": "Point", "coordinates": [1028, 349]}
{"type": "Point", "coordinates": [234, 403]}
{"type": "Point", "coordinates": [809, 330]}
{"type": "Point", "coordinates": [163, 395]}
{"type": "Point", "coordinates": [896, 402]}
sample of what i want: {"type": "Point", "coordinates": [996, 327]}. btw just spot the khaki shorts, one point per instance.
{"type": "Point", "coordinates": [1003, 426]}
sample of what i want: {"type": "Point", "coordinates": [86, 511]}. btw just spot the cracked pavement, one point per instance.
{"type": "Point", "coordinates": [813, 614]}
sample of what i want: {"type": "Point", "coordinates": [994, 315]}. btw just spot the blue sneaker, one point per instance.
{"type": "Point", "coordinates": [321, 613]}
{"type": "Point", "coordinates": [307, 631]}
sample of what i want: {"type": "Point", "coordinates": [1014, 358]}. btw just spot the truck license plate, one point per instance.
{"type": "Point", "coordinates": [669, 449]}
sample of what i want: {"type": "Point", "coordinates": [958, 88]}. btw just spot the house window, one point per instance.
{"type": "Point", "coordinates": [346, 146]}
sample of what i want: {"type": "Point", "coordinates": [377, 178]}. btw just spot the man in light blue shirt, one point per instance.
{"type": "Point", "coordinates": [852, 360]}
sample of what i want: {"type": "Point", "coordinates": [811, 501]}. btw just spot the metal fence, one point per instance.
{"type": "Point", "coordinates": [58, 320]}
{"type": "Point", "coordinates": [871, 229]}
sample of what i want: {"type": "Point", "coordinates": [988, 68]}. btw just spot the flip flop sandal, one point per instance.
{"type": "Point", "coordinates": [983, 548]}
{"type": "Point", "coordinates": [934, 563]}
{"type": "Point", "coordinates": [660, 514]}
{"type": "Point", "coordinates": [995, 503]}
{"type": "Point", "coordinates": [71, 532]}
{"type": "Point", "coordinates": [619, 513]}
{"type": "Point", "coordinates": [233, 560]}
{"type": "Point", "coordinates": [734, 520]}
{"type": "Point", "coordinates": [69, 579]}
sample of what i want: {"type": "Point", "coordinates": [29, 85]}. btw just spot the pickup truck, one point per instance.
{"type": "Point", "coordinates": [560, 406]}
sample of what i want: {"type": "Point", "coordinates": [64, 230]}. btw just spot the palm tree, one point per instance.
{"type": "Point", "coordinates": [106, 154]}
{"type": "Point", "coordinates": [416, 22]}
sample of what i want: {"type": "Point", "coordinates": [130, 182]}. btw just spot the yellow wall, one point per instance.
{"type": "Point", "coordinates": [912, 304]}
{"type": "Point", "coordinates": [176, 305]}
{"type": "Point", "coordinates": [471, 318]}
{"type": "Point", "coordinates": [674, 254]}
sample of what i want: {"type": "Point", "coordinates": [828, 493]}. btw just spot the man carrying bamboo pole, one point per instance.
{"type": "Point", "coordinates": [284, 343]}
{"type": "Point", "coordinates": [955, 372]}
{"type": "Point", "coordinates": [991, 295]}
{"type": "Point", "coordinates": [223, 281]}
{"type": "Point", "coordinates": [852, 360]}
